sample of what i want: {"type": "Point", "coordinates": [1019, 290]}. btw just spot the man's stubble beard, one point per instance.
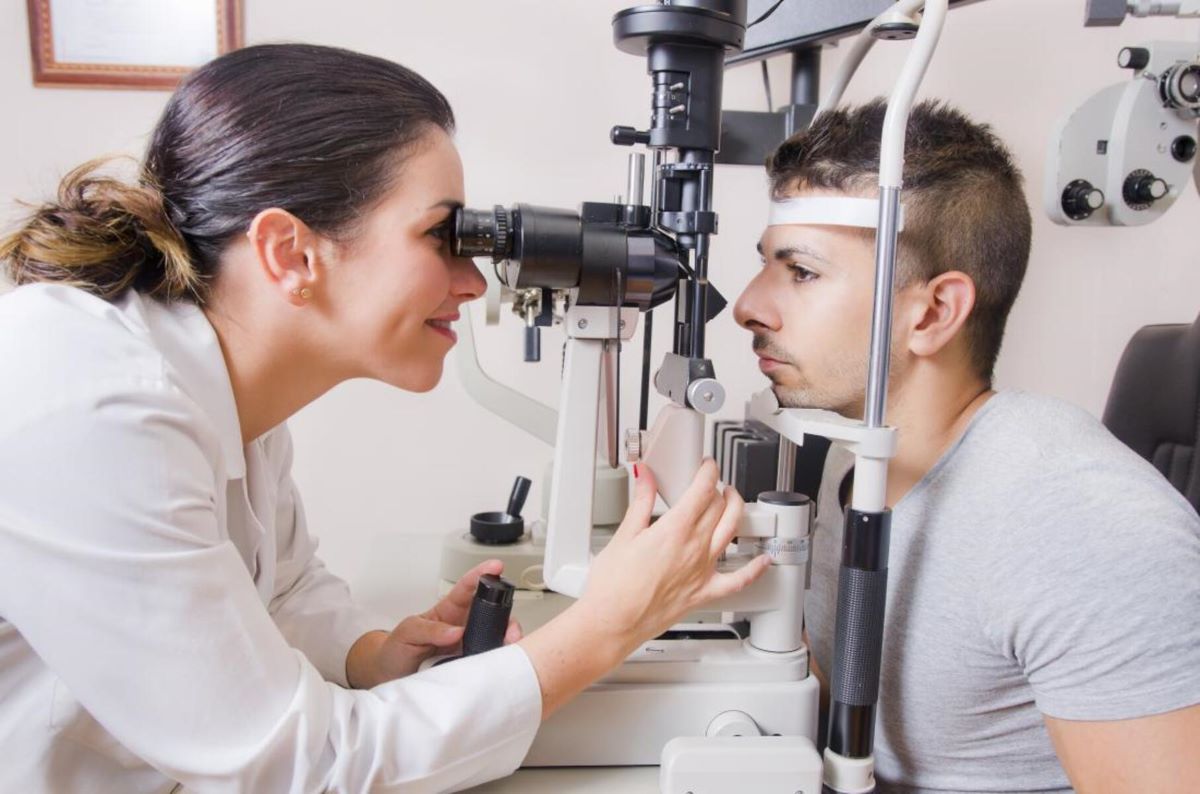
{"type": "Point", "coordinates": [841, 390]}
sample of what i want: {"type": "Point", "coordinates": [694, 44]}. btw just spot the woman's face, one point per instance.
{"type": "Point", "coordinates": [395, 287]}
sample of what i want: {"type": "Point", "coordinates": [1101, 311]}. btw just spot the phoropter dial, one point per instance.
{"type": "Point", "coordinates": [1179, 86]}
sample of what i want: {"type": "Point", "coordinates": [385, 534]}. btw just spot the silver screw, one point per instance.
{"type": "Point", "coordinates": [582, 324]}
{"type": "Point", "coordinates": [621, 324]}
{"type": "Point", "coordinates": [708, 396]}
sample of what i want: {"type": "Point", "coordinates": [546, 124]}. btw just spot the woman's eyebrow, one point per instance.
{"type": "Point", "coordinates": [451, 204]}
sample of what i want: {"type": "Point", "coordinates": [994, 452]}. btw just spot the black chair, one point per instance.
{"type": "Point", "coordinates": [1154, 403]}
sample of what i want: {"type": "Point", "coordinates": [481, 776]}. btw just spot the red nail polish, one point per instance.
{"type": "Point", "coordinates": [635, 471]}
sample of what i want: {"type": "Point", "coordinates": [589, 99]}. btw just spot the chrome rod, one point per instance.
{"type": "Point", "coordinates": [886, 241]}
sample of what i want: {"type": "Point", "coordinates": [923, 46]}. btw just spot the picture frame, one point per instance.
{"type": "Point", "coordinates": [139, 44]}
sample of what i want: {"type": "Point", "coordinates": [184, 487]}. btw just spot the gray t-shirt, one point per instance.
{"type": "Point", "coordinates": [1040, 567]}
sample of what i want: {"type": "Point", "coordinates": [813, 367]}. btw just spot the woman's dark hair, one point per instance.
{"type": "Point", "coordinates": [317, 131]}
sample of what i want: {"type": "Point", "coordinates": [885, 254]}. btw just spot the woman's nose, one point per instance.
{"type": "Point", "coordinates": [469, 283]}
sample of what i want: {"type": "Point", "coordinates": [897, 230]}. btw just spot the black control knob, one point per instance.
{"type": "Point", "coordinates": [1183, 148]}
{"type": "Point", "coordinates": [628, 136]}
{"type": "Point", "coordinates": [1136, 58]}
{"type": "Point", "coordinates": [498, 528]}
{"type": "Point", "coordinates": [487, 621]}
{"type": "Point", "coordinates": [1143, 188]}
{"type": "Point", "coordinates": [1080, 199]}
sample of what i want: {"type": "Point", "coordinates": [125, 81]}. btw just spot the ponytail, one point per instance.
{"type": "Point", "coordinates": [222, 152]}
{"type": "Point", "coordinates": [103, 236]}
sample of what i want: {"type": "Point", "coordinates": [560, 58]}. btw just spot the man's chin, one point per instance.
{"type": "Point", "coordinates": [802, 398]}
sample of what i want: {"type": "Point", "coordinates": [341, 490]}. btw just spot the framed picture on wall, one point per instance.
{"type": "Point", "coordinates": [128, 43]}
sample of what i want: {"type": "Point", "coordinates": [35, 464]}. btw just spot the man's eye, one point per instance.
{"type": "Point", "coordinates": [801, 274]}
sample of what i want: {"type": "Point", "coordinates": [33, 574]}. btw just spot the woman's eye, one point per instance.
{"type": "Point", "coordinates": [440, 232]}
{"type": "Point", "coordinates": [801, 274]}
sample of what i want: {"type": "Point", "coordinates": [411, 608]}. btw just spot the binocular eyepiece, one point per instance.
{"type": "Point", "coordinates": [595, 250]}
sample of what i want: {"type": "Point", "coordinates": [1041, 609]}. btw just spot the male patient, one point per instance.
{"type": "Point", "coordinates": [1043, 608]}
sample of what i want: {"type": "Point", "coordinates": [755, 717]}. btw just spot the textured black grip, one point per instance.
{"type": "Point", "coordinates": [488, 619]}
{"type": "Point", "coordinates": [859, 640]}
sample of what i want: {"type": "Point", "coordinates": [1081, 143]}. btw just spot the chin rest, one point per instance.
{"type": "Point", "coordinates": [1154, 403]}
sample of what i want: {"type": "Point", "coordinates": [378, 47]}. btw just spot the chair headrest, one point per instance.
{"type": "Point", "coordinates": [1154, 403]}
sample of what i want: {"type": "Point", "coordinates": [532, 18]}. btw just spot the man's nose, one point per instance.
{"type": "Point", "coordinates": [753, 309]}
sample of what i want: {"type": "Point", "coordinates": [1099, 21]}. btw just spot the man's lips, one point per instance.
{"type": "Point", "coordinates": [766, 363]}
{"type": "Point", "coordinates": [769, 364]}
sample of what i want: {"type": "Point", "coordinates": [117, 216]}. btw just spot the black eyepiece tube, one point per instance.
{"type": "Point", "coordinates": [858, 648]}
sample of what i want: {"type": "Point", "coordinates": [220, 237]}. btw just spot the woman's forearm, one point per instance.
{"type": "Point", "coordinates": [573, 650]}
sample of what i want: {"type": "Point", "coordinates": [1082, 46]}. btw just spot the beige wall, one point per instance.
{"type": "Point", "coordinates": [536, 85]}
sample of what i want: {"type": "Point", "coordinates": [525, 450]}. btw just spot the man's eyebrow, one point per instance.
{"type": "Point", "coordinates": [789, 251]}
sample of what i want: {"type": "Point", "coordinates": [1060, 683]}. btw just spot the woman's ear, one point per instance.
{"type": "Point", "coordinates": [286, 250]}
{"type": "Point", "coordinates": [940, 308]}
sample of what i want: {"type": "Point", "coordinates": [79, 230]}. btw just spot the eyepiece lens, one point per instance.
{"type": "Point", "coordinates": [482, 233]}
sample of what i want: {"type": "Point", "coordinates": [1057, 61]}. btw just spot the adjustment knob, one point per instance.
{"type": "Point", "coordinates": [633, 445]}
{"type": "Point", "coordinates": [1080, 199]}
{"type": "Point", "coordinates": [500, 243]}
{"type": "Point", "coordinates": [1143, 188]}
{"type": "Point", "coordinates": [1136, 58]}
{"type": "Point", "coordinates": [628, 136]}
{"type": "Point", "coordinates": [487, 621]}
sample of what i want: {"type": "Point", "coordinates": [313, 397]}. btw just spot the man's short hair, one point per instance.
{"type": "Point", "coordinates": [964, 206]}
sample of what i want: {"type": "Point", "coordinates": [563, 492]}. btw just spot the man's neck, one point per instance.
{"type": "Point", "coordinates": [931, 411]}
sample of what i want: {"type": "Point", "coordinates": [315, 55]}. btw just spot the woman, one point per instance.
{"type": "Point", "coordinates": [162, 616]}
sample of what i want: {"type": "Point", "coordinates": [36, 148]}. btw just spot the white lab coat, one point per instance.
{"type": "Point", "coordinates": [163, 617]}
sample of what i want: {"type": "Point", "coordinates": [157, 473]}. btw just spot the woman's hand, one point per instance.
{"type": "Point", "coordinates": [645, 579]}
{"type": "Point", "coordinates": [381, 656]}
{"type": "Point", "coordinates": [652, 574]}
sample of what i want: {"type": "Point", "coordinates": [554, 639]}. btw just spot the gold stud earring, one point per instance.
{"type": "Point", "coordinates": [305, 293]}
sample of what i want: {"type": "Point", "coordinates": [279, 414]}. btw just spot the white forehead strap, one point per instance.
{"type": "Point", "coordinates": [828, 211]}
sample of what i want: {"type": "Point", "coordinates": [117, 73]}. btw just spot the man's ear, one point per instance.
{"type": "Point", "coordinates": [939, 309]}
{"type": "Point", "coordinates": [287, 252]}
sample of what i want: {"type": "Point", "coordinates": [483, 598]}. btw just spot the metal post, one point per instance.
{"type": "Point", "coordinates": [806, 76]}
{"type": "Point", "coordinates": [881, 319]}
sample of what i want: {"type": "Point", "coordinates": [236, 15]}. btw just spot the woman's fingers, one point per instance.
{"type": "Point", "coordinates": [689, 514]}
{"type": "Point", "coordinates": [418, 630]}
{"type": "Point", "coordinates": [641, 506]}
{"type": "Point", "coordinates": [455, 605]}
{"type": "Point", "coordinates": [514, 632]}
{"type": "Point", "coordinates": [723, 584]}
{"type": "Point", "coordinates": [698, 495]}
{"type": "Point", "coordinates": [727, 527]}
{"type": "Point", "coordinates": [703, 529]}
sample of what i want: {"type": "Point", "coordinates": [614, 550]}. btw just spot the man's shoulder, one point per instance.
{"type": "Point", "coordinates": [1044, 476]}
{"type": "Point", "coordinates": [1036, 441]}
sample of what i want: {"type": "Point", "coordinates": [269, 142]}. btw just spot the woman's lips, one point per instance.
{"type": "Point", "coordinates": [443, 327]}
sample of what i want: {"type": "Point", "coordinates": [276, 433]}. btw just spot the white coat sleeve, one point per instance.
{"type": "Point", "coordinates": [311, 606]}
{"type": "Point", "coordinates": [116, 575]}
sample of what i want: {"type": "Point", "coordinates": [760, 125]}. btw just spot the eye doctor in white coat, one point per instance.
{"type": "Point", "coordinates": [164, 623]}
